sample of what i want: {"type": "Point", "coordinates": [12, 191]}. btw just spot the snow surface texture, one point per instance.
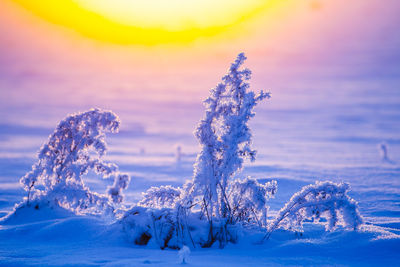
{"type": "Point", "coordinates": [68, 239]}
{"type": "Point", "coordinates": [55, 234]}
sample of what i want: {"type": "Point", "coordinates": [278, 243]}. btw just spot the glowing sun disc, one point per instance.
{"type": "Point", "coordinates": [145, 21]}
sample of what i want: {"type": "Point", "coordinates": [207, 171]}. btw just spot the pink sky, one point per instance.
{"type": "Point", "coordinates": [46, 67]}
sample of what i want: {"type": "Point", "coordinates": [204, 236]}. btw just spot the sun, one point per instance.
{"type": "Point", "coordinates": [145, 21]}
{"type": "Point", "coordinates": [173, 15]}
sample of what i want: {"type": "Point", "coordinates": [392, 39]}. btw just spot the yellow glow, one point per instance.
{"type": "Point", "coordinates": [145, 21]}
{"type": "Point", "coordinates": [173, 14]}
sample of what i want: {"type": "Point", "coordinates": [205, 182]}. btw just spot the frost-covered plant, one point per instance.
{"type": "Point", "coordinates": [248, 199]}
{"type": "Point", "coordinates": [75, 147]}
{"type": "Point", "coordinates": [168, 216]}
{"type": "Point", "coordinates": [322, 199]}
{"type": "Point", "coordinates": [121, 181]}
{"type": "Point", "coordinates": [162, 225]}
{"type": "Point", "coordinates": [165, 227]}
{"type": "Point", "coordinates": [160, 197]}
{"type": "Point", "coordinates": [225, 140]}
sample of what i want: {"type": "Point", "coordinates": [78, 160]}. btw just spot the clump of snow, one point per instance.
{"type": "Point", "coordinates": [136, 224]}
{"type": "Point", "coordinates": [183, 254]}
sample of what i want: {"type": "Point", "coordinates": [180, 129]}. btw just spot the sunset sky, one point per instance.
{"type": "Point", "coordinates": [142, 60]}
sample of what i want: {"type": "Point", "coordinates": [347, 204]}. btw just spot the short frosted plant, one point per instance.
{"type": "Point", "coordinates": [75, 147]}
{"type": "Point", "coordinates": [161, 197]}
{"type": "Point", "coordinates": [322, 199]}
{"type": "Point", "coordinates": [248, 199]}
{"type": "Point", "coordinates": [383, 149]}
{"type": "Point", "coordinates": [178, 154]}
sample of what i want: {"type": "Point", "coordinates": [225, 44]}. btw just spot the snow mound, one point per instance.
{"type": "Point", "coordinates": [49, 224]}
{"type": "Point", "coordinates": [36, 211]}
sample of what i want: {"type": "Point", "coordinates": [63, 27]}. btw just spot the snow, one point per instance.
{"type": "Point", "coordinates": [92, 241]}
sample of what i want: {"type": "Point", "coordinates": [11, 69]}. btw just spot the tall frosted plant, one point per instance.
{"type": "Point", "coordinates": [225, 140]}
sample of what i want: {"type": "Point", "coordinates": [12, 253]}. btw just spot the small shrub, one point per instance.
{"type": "Point", "coordinates": [322, 199]}
{"type": "Point", "coordinates": [75, 147]}
{"type": "Point", "coordinates": [161, 197]}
